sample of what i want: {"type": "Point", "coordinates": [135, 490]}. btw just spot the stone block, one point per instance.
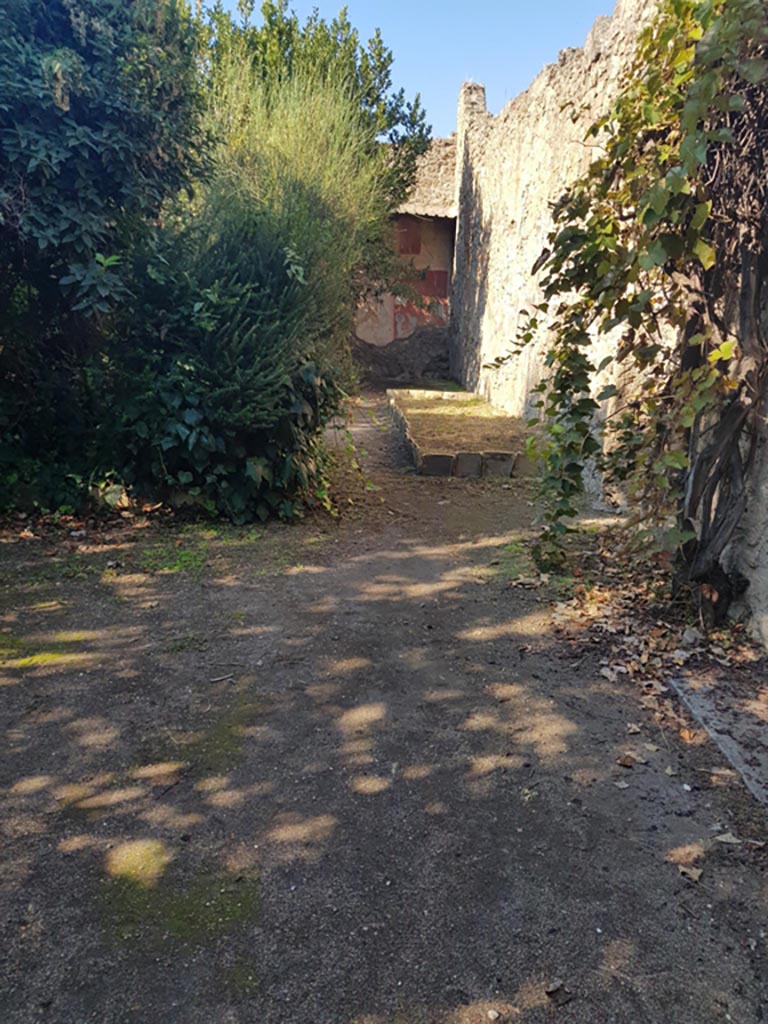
{"type": "Point", "coordinates": [501, 464]}
{"type": "Point", "coordinates": [413, 450]}
{"type": "Point", "coordinates": [527, 469]}
{"type": "Point", "coordinates": [468, 464]}
{"type": "Point", "coordinates": [436, 464]}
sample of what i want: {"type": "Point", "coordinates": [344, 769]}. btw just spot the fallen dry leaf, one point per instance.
{"type": "Point", "coordinates": [633, 729]}
{"type": "Point", "coordinates": [654, 686]}
{"type": "Point", "coordinates": [728, 839]}
{"type": "Point", "coordinates": [692, 874]}
{"type": "Point", "coordinates": [558, 994]}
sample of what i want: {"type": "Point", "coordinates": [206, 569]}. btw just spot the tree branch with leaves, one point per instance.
{"type": "Point", "coordinates": [660, 253]}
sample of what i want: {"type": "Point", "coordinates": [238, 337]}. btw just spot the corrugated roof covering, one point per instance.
{"type": "Point", "coordinates": [434, 194]}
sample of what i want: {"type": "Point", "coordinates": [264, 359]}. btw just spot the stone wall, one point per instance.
{"type": "Point", "coordinates": [509, 169]}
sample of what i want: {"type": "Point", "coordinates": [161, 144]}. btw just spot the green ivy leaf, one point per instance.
{"type": "Point", "coordinates": [753, 71]}
{"type": "Point", "coordinates": [705, 254]}
{"type": "Point", "coordinates": [701, 215]}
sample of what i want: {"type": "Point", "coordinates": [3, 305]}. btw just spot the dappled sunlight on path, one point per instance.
{"type": "Point", "coordinates": [373, 788]}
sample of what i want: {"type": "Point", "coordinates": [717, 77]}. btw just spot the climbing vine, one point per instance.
{"type": "Point", "coordinates": [656, 261]}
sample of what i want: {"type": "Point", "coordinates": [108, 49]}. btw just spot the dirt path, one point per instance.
{"type": "Point", "coordinates": [346, 775]}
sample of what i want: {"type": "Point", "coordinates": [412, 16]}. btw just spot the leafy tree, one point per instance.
{"type": "Point", "coordinates": [100, 121]}
{"type": "Point", "coordinates": [281, 47]}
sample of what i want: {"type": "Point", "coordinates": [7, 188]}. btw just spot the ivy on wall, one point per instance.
{"type": "Point", "coordinates": [661, 250]}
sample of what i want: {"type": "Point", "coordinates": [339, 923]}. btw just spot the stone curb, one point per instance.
{"type": "Point", "coordinates": [467, 465]}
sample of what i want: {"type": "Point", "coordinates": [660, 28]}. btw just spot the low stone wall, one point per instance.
{"type": "Point", "coordinates": [463, 464]}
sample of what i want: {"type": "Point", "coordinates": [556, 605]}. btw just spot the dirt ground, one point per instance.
{"type": "Point", "coordinates": [343, 773]}
{"type": "Point", "coordinates": [452, 425]}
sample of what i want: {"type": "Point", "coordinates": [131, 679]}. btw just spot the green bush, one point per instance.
{"type": "Point", "coordinates": [225, 410]}
{"type": "Point", "coordinates": [301, 151]}
{"type": "Point", "coordinates": [238, 343]}
{"type": "Point", "coordinates": [183, 448]}
{"type": "Point", "coordinates": [100, 105]}
{"type": "Point", "coordinates": [190, 345]}
{"type": "Point", "coordinates": [100, 123]}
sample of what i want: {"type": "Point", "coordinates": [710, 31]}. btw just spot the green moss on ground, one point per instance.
{"type": "Point", "coordinates": [241, 978]}
{"type": "Point", "coordinates": [220, 747]}
{"type": "Point", "coordinates": [192, 911]}
{"type": "Point", "coordinates": [21, 652]}
{"type": "Point", "coordinates": [172, 557]}
{"type": "Point", "coordinates": [216, 748]}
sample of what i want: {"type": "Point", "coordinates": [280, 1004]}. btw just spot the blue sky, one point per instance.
{"type": "Point", "coordinates": [502, 43]}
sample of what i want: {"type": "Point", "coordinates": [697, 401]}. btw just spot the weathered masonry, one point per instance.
{"type": "Point", "coordinates": [509, 169]}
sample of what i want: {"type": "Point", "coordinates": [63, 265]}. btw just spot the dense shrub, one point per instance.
{"type": "Point", "coordinates": [225, 407]}
{"type": "Point", "coordinates": [239, 343]}
{"type": "Point", "coordinates": [100, 123]}
{"type": "Point", "coordinates": [302, 153]}
{"type": "Point", "coordinates": [188, 343]}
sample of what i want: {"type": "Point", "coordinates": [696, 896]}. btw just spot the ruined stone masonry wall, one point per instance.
{"type": "Point", "coordinates": [509, 169]}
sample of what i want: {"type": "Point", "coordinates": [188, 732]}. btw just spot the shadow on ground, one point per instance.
{"type": "Point", "coordinates": [370, 787]}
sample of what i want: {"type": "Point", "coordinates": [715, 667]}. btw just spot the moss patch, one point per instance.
{"type": "Point", "coordinates": [221, 746]}
{"type": "Point", "coordinates": [174, 557]}
{"type": "Point", "coordinates": [52, 570]}
{"type": "Point", "coordinates": [211, 750]}
{"type": "Point", "coordinates": [189, 642]}
{"type": "Point", "coordinates": [513, 561]}
{"type": "Point", "coordinates": [19, 652]}
{"type": "Point", "coordinates": [241, 978]}
{"type": "Point", "coordinates": [193, 911]}
{"type": "Point", "coordinates": [225, 534]}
